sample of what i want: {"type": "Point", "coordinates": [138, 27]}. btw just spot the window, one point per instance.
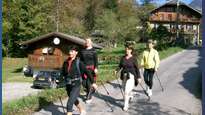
{"type": "Point", "coordinates": [48, 50]}
{"type": "Point", "coordinates": [169, 9]}
{"type": "Point", "coordinates": [170, 17]}
{"type": "Point", "coordinates": [162, 17]}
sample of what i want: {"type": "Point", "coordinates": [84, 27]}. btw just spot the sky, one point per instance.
{"type": "Point", "coordinates": [160, 2]}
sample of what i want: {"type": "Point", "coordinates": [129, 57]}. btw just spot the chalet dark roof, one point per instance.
{"type": "Point", "coordinates": [174, 3]}
{"type": "Point", "coordinates": [73, 39]}
{"type": "Point", "coordinates": [196, 4]}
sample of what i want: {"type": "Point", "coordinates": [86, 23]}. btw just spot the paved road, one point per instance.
{"type": "Point", "coordinates": [11, 91]}
{"type": "Point", "coordinates": [180, 76]}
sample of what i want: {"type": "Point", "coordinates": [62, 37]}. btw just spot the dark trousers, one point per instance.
{"type": "Point", "coordinates": [88, 88]}
{"type": "Point", "coordinates": [73, 93]}
{"type": "Point", "coordinates": [148, 77]}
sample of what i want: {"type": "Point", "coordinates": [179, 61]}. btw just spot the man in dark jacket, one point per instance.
{"type": "Point", "coordinates": [89, 57]}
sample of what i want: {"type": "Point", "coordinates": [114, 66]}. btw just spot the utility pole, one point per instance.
{"type": "Point", "coordinates": [57, 17]}
{"type": "Point", "coordinates": [177, 19]}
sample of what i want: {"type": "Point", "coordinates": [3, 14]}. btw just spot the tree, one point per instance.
{"type": "Point", "coordinates": [109, 24]}
{"type": "Point", "coordinates": [143, 15]}
{"type": "Point", "coordinates": [27, 19]}
{"type": "Point", "coordinates": [161, 34]}
{"type": "Point", "coordinates": [119, 26]}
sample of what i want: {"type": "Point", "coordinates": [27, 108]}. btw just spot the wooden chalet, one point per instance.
{"type": "Point", "coordinates": [49, 51]}
{"type": "Point", "coordinates": [175, 13]}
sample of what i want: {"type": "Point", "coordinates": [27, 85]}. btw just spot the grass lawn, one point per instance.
{"type": "Point", "coordinates": [12, 70]}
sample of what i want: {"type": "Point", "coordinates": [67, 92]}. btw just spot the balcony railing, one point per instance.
{"type": "Point", "coordinates": [164, 17]}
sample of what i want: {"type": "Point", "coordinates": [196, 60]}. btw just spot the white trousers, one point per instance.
{"type": "Point", "coordinates": [128, 86]}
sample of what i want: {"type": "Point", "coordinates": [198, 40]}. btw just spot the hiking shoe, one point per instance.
{"type": "Point", "coordinates": [147, 89]}
{"type": "Point", "coordinates": [83, 112]}
{"type": "Point", "coordinates": [150, 93]}
{"type": "Point", "coordinates": [125, 108]}
{"type": "Point", "coordinates": [88, 101]}
{"type": "Point", "coordinates": [131, 98]}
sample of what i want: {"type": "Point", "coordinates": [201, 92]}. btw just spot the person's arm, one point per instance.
{"type": "Point", "coordinates": [120, 65]}
{"type": "Point", "coordinates": [63, 72]}
{"type": "Point", "coordinates": [157, 61]}
{"type": "Point", "coordinates": [142, 60]}
{"type": "Point", "coordinates": [136, 68]}
{"type": "Point", "coordinates": [81, 56]}
{"type": "Point", "coordinates": [95, 59]}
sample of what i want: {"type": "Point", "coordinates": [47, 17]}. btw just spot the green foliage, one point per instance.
{"type": "Point", "coordinates": [161, 34]}
{"type": "Point", "coordinates": [119, 26]}
{"type": "Point", "coordinates": [33, 103]}
{"type": "Point", "coordinates": [23, 20]}
{"type": "Point", "coordinates": [143, 15]}
{"type": "Point", "coordinates": [146, 2]}
{"type": "Point", "coordinates": [109, 24]}
{"type": "Point", "coordinates": [111, 4]}
{"type": "Point", "coordinates": [26, 19]}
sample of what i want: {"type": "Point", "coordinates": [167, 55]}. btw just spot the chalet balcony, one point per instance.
{"type": "Point", "coordinates": [45, 61]}
{"type": "Point", "coordinates": [172, 17]}
{"type": "Point", "coordinates": [190, 31]}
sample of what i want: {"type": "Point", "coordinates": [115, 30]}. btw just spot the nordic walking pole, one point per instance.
{"type": "Point", "coordinates": [144, 91]}
{"type": "Point", "coordinates": [62, 104]}
{"type": "Point", "coordinates": [119, 84]}
{"type": "Point", "coordinates": [159, 82]}
{"type": "Point", "coordinates": [104, 88]}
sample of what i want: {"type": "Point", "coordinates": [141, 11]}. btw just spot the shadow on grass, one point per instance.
{"type": "Point", "coordinates": [18, 70]}
{"type": "Point", "coordinates": [52, 108]}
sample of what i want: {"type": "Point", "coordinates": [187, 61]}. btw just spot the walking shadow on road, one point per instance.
{"type": "Point", "coordinates": [112, 101]}
{"type": "Point", "coordinates": [52, 109]}
{"type": "Point", "coordinates": [141, 107]}
{"type": "Point", "coordinates": [192, 78]}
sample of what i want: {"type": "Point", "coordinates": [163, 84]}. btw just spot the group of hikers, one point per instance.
{"type": "Point", "coordinates": [82, 69]}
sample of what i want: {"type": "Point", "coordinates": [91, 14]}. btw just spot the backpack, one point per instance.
{"type": "Point", "coordinates": [78, 68]}
{"type": "Point", "coordinates": [67, 80]}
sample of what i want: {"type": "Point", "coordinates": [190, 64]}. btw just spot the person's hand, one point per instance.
{"type": "Point", "coordinates": [96, 70]}
{"type": "Point", "coordinates": [94, 86]}
{"type": "Point", "coordinates": [155, 69]}
{"type": "Point", "coordinates": [140, 66]}
{"type": "Point", "coordinates": [115, 72]}
{"type": "Point", "coordinates": [139, 80]}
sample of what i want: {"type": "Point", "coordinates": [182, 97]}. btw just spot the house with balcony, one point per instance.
{"type": "Point", "coordinates": [179, 18]}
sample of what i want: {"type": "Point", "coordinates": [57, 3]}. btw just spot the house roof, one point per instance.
{"type": "Point", "coordinates": [173, 3]}
{"type": "Point", "coordinates": [73, 39]}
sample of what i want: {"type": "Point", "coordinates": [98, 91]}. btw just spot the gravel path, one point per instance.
{"type": "Point", "coordinates": [14, 90]}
